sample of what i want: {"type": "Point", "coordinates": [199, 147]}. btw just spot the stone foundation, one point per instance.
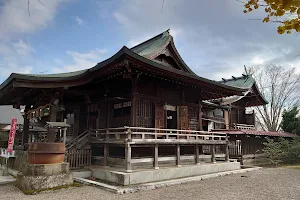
{"type": "Point", "coordinates": [39, 177]}
{"type": "Point", "coordinates": [161, 174]}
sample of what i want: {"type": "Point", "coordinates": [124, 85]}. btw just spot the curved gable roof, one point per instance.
{"type": "Point", "coordinates": [156, 46]}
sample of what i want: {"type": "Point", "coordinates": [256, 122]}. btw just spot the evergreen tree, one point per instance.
{"type": "Point", "coordinates": [291, 121]}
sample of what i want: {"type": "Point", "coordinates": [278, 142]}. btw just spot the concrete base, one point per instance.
{"type": "Point", "coordinates": [155, 185]}
{"type": "Point", "coordinates": [162, 174]}
{"type": "Point", "coordinates": [37, 177]}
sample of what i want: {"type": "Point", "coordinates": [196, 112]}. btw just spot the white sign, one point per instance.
{"type": "Point", "coordinates": [170, 107]}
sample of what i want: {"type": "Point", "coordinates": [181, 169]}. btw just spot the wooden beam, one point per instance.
{"type": "Point", "coordinates": [50, 84]}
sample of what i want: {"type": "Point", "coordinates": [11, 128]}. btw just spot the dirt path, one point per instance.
{"type": "Point", "coordinates": [262, 184]}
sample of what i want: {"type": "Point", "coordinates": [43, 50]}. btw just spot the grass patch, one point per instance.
{"type": "Point", "coordinates": [33, 192]}
{"type": "Point", "coordinates": [295, 166]}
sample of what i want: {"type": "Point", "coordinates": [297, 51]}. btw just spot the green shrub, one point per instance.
{"type": "Point", "coordinates": [282, 151]}
{"type": "Point", "coordinates": [4, 136]}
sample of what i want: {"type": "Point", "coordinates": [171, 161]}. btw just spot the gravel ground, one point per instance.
{"type": "Point", "coordinates": [271, 183]}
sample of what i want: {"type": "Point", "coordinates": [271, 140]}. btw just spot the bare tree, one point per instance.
{"type": "Point", "coordinates": [280, 86]}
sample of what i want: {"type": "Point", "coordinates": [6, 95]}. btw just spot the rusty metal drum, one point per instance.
{"type": "Point", "coordinates": [46, 153]}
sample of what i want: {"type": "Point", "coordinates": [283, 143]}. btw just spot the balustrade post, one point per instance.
{"type": "Point", "coordinates": [128, 157]}
{"type": "Point", "coordinates": [107, 135]}
{"type": "Point", "coordinates": [128, 135]}
{"type": "Point", "coordinates": [178, 155]}
{"type": "Point", "coordinates": [155, 161]}
{"type": "Point", "coordinates": [197, 161]}
{"type": "Point", "coordinates": [105, 155]}
{"type": "Point", "coordinates": [227, 152]}
{"type": "Point", "coordinates": [213, 152]}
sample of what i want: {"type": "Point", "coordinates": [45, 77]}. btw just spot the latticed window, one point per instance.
{"type": "Point", "coordinates": [145, 116]}
{"type": "Point", "coordinates": [193, 118]}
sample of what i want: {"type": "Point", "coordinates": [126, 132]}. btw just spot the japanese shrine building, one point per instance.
{"type": "Point", "coordinates": [142, 102]}
{"type": "Point", "coordinates": [131, 88]}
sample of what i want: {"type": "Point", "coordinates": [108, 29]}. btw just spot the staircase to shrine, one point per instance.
{"type": "Point", "coordinates": [79, 142]}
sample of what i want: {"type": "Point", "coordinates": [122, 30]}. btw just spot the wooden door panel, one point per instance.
{"type": "Point", "coordinates": [183, 121]}
{"type": "Point", "coordinates": [159, 116]}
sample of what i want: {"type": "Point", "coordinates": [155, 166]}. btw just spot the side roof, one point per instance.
{"type": "Point", "coordinates": [246, 82]}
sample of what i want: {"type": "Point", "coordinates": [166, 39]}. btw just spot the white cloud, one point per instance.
{"type": "Point", "coordinates": [216, 39]}
{"type": "Point", "coordinates": [13, 65]}
{"type": "Point", "coordinates": [257, 60]}
{"type": "Point", "coordinates": [15, 57]}
{"type": "Point", "coordinates": [14, 17]}
{"type": "Point", "coordinates": [79, 20]}
{"type": "Point", "coordinates": [81, 61]}
{"type": "Point", "coordinates": [15, 22]}
{"type": "Point", "coordinates": [22, 48]}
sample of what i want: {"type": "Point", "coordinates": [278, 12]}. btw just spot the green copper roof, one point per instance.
{"type": "Point", "coordinates": [243, 82]}
{"type": "Point", "coordinates": [59, 75]}
{"type": "Point", "coordinates": [152, 45]}
{"type": "Point", "coordinates": [140, 52]}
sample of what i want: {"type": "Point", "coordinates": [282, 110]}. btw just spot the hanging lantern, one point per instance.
{"type": "Point", "coordinates": [46, 111]}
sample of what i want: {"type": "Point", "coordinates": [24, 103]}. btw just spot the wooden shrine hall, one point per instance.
{"type": "Point", "coordinates": [141, 103]}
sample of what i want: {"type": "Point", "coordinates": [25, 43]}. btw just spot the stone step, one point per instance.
{"type": "Point", "coordinates": [6, 180]}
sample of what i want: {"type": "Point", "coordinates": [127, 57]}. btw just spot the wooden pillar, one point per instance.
{"type": "Point", "coordinates": [105, 155]}
{"type": "Point", "coordinates": [155, 158]}
{"type": "Point", "coordinates": [197, 161]}
{"type": "Point", "coordinates": [226, 114]}
{"type": "Point", "coordinates": [200, 117]}
{"type": "Point", "coordinates": [25, 134]}
{"type": "Point", "coordinates": [238, 116]}
{"type": "Point", "coordinates": [213, 153]}
{"type": "Point", "coordinates": [227, 152]}
{"type": "Point", "coordinates": [52, 118]}
{"type": "Point", "coordinates": [178, 155]}
{"type": "Point", "coordinates": [128, 157]}
{"type": "Point", "coordinates": [65, 132]}
{"type": "Point", "coordinates": [133, 99]}
{"type": "Point", "coordinates": [108, 115]}
{"type": "Point", "coordinates": [76, 121]}
{"type": "Point", "coordinates": [243, 148]}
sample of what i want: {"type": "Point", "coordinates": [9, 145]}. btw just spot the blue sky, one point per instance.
{"type": "Point", "coordinates": [215, 37]}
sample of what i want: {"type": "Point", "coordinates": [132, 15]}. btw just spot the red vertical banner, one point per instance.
{"type": "Point", "coordinates": [12, 134]}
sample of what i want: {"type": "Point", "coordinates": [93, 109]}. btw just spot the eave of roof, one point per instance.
{"type": "Point", "coordinates": [254, 132]}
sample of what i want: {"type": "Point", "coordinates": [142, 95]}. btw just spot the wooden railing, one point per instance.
{"type": "Point", "coordinates": [139, 134]}
{"type": "Point", "coordinates": [79, 158]}
{"type": "Point", "coordinates": [243, 126]}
